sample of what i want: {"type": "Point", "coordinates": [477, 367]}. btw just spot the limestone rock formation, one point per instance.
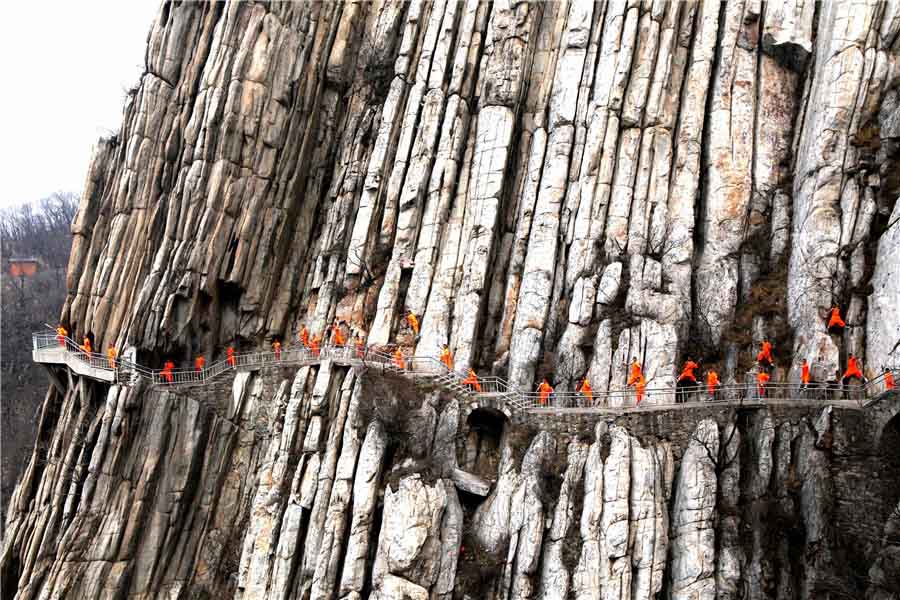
{"type": "Point", "coordinates": [552, 189]}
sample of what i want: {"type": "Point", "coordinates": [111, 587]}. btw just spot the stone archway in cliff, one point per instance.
{"type": "Point", "coordinates": [889, 460]}
{"type": "Point", "coordinates": [484, 431]}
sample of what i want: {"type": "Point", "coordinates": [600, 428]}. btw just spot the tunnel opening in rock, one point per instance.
{"type": "Point", "coordinates": [890, 459]}
{"type": "Point", "coordinates": [485, 428]}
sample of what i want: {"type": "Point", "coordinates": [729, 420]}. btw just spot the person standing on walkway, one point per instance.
{"type": "Point", "coordinates": [712, 384]}
{"type": "Point", "coordinates": [687, 378]}
{"type": "Point", "coordinates": [304, 336]}
{"type": "Point", "coordinates": [586, 391]}
{"type": "Point", "coordinates": [111, 356]}
{"type": "Point", "coordinates": [804, 376]}
{"type": "Point", "coordinates": [640, 385]}
{"type": "Point", "coordinates": [199, 363]}
{"type": "Point", "coordinates": [762, 378]}
{"type": "Point", "coordinates": [276, 347]}
{"type": "Point", "coordinates": [399, 362]}
{"type": "Point", "coordinates": [360, 347]}
{"type": "Point", "coordinates": [314, 346]}
{"type": "Point", "coordinates": [86, 345]}
{"type": "Point", "coordinates": [544, 390]}
{"type": "Point", "coordinates": [888, 380]}
{"type": "Point", "coordinates": [472, 381]}
{"type": "Point", "coordinates": [229, 356]}
{"type": "Point", "coordinates": [166, 372]}
{"type": "Point", "coordinates": [852, 371]}
{"type": "Point", "coordinates": [337, 336]}
{"type": "Point", "coordinates": [61, 334]}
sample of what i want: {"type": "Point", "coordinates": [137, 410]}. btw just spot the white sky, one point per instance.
{"type": "Point", "coordinates": [66, 66]}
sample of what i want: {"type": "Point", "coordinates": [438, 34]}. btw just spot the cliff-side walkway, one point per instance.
{"type": "Point", "coordinates": [495, 392]}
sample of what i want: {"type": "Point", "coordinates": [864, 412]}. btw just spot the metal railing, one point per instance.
{"type": "Point", "coordinates": [493, 387]}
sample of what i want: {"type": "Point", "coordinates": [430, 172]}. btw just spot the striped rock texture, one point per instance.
{"type": "Point", "coordinates": [552, 188]}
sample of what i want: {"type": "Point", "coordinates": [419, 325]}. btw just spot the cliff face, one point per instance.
{"type": "Point", "coordinates": [552, 188]}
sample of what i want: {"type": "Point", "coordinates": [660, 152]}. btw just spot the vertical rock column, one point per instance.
{"type": "Point", "coordinates": [692, 568]}
{"type": "Point", "coordinates": [504, 66]}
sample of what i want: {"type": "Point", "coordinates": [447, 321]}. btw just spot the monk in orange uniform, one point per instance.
{"type": "Point", "coordinates": [712, 383]}
{"type": "Point", "coordinates": [229, 356]}
{"type": "Point", "coordinates": [765, 354]}
{"type": "Point", "coordinates": [888, 379]}
{"type": "Point", "coordinates": [545, 389]}
{"type": "Point", "coordinates": [199, 363]}
{"type": "Point", "coordinates": [639, 386]}
{"type": "Point", "coordinates": [86, 346]}
{"type": "Point", "coordinates": [337, 336]}
{"type": "Point", "coordinates": [314, 346]}
{"type": "Point", "coordinates": [852, 370]}
{"type": "Point", "coordinates": [111, 356]}
{"type": "Point", "coordinates": [835, 323]}
{"type": "Point", "coordinates": [304, 336]}
{"type": "Point", "coordinates": [413, 323]}
{"type": "Point", "coordinates": [586, 391]}
{"type": "Point", "coordinates": [166, 372]}
{"type": "Point", "coordinates": [61, 334]}
{"type": "Point", "coordinates": [762, 378]}
{"type": "Point", "coordinates": [447, 358]}
{"type": "Point", "coordinates": [804, 375]}
{"type": "Point", "coordinates": [686, 378]}
{"type": "Point", "coordinates": [472, 381]}
{"type": "Point", "coordinates": [276, 346]}
{"type": "Point", "coordinates": [399, 362]}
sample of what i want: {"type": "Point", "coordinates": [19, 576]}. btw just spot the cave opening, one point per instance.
{"type": "Point", "coordinates": [482, 444]}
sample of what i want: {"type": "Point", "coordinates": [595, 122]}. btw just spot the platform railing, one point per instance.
{"type": "Point", "coordinates": [384, 357]}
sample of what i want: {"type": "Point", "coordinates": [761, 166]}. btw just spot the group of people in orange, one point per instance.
{"type": "Point", "coordinates": [636, 379]}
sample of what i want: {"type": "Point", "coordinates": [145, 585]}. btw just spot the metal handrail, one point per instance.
{"type": "Point", "coordinates": [429, 366]}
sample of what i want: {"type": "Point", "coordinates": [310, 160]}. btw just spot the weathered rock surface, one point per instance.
{"type": "Point", "coordinates": [552, 189]}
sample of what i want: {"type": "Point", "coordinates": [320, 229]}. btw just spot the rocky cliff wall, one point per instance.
{"type": "Point", "coordinates": [321, 482]}
{"type": "Point", "coordinates": [552, 188]}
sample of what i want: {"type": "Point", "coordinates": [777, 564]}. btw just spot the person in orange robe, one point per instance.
{"type": "Point", "coordinates": [304, 336]}
{"type": "Point", "coordinates": [852, 371]}
{"type": "Point", "coordinates": [639, 386]}
{"type": "Point", "coordinates": [472, 381]}
{"type": "Point", "coordinates": [276, 346]}
{"type": "Point", "coordinates": [111, 356]}
{"type": "Point", "coordinates": [587, 391]}
{"type": "Point", "coordinates": [199, 363]}
{"type": "Point", "coordinates": [888, 379]}
{"type": "Point", "coordinates": [545, 389]}
{"type": "Point", "coordinates": [712, 383]}
{"type": "Point", "coordinates": [687, 372]}
{"type": "Point", "coordinates": [765, 353]}
{"type": "Point", "coordinates": [167, 371]}
{"type": "Point", "coordinates": [804, 375]}
{"type": "Point", "coordinates": [314, 346]}
{"type": "Point", "coordinates": [687, 378]}
{"type": "Point", "coordinates": [61, 334]}
{"type": "Point", "coordinates": [413, 323]}
{"type": "Point", "coordinates": [447, 358]}
{"type": "Point", "coordinates": [232, 362]}
{"type": "Point", "coordinates": [762, 378]}
{"type": "Point", "coordinates": [635, 373]}
{"type": "Point", "coordinates": [87, 345]}
{"type": "Point", "coordinates": [398, 359]}
{"type": "Point", "coordinates": [836, 323]}
{"type": "Point", "coordinates": [337, 337]}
